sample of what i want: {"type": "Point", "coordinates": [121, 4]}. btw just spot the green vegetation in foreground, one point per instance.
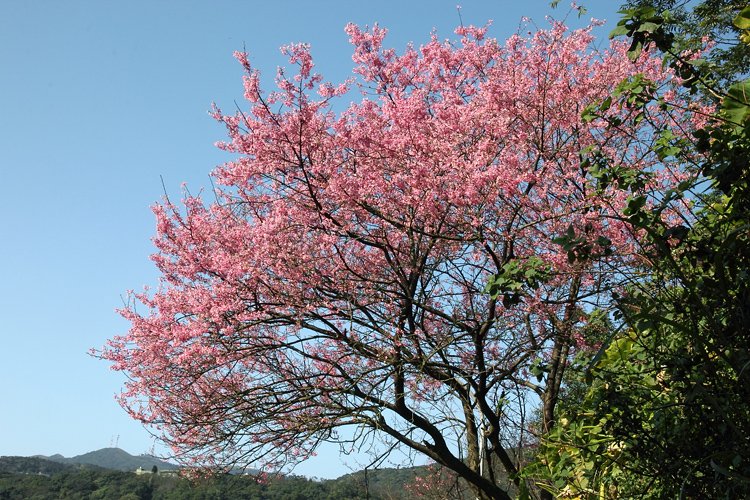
{"type": "Point", "coordinates": [661, 411]}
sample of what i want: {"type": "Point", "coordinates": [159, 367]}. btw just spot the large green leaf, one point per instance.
{"type": "Point", "coordinates": [742, 21]}
{"type": "Point", "coordinates": [736, 105]}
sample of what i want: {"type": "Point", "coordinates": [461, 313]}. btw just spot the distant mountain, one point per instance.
{"type": "Point", "coordinates": [115, 458]}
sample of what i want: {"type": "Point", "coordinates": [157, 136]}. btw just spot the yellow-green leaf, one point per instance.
{"type": "Point", "coordinates": [742, 21]}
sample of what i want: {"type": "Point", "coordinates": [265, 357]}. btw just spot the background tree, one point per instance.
{"type": "Point", "coordinates": [667, 410]}
{"type": "Point", "coordinates": [693, 23]}
{"type": "Point", "coordinates": [341, 276]}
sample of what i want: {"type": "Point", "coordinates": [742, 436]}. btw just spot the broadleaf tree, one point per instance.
{"type": "Point", "coordinates": [691, 24]}
{"type": "Point", "coordinates": [666, 413]}
{"type": "Point", "coordinates": [416, 268]}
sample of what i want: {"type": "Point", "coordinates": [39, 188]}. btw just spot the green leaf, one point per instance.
{"type": "Point", "coordinates": [635, 50]}
{"type": "Point", "coordinates": [649, 27]}
{"type": "Point", "coordinates": [537, 369]}
{"type": "Point", "coordinates": [635, 204]}
{"type": "Point", "coordinates": [620, 30]}
{"type": "Point", "coordinates": [742, 21]}
{"type": "Point", "coordinates": [589, 113]}
{"type": "Point", "coordinates": [735, 106]}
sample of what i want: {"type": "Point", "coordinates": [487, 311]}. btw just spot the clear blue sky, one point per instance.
{"type": "Point", "coordinates": [100, 99]}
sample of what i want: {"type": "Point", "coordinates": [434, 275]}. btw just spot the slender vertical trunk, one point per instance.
{"type": "Point", "coordinates": [558, 363]}
{"type": "Point", "coordinates": [473, 448]}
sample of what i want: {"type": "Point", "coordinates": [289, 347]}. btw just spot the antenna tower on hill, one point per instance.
{"type": "Point", "coordinates": [114, 442]}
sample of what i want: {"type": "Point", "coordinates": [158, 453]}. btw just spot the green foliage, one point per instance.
{"type": "Point", "coordinates": [665, 409]}
{"type": "Point", "coordinates": [23, 478]}
{"type": "Point", "coordinates": [31, 465]}
{"type": "Point", "coordinates": [742, 21]}
{"type": "Point", "coordinates": [515, 276]}
{"type": "Point", "coordinates": [644, 27]}
{"type": "Point", "coordinates": [685, 25]}
{"type": "Point", "coordinates": [578, 247]}
{"type": "Point", "coordinates": [593, 451]}
{"type": "Point", "coordinates": [735, 107]}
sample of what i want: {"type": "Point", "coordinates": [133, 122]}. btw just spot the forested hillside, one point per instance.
{"type": "Point", "coordinates": [34, 477]}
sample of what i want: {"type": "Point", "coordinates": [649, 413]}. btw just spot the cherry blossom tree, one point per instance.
{"type": "Point", "coordinates": [340, 278]}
